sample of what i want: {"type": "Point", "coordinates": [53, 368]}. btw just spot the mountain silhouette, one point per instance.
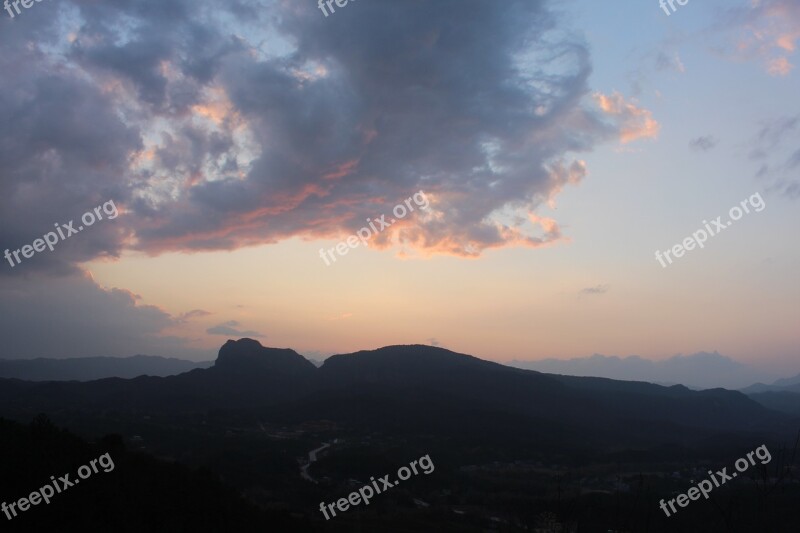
{"type": "Point", "coordinates": [248, 355]}
{"type": "Point", "coordinates": [410, 387]}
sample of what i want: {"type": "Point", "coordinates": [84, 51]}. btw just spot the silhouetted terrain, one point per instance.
{"type": "Point", "coordinates": [139, 494]}
{"type": "Point", "coordinates": [784, 401]}
{"type": "Point", "coordinates": [247, 375]}
{"type": "Point", "coordinates": [510, 445]}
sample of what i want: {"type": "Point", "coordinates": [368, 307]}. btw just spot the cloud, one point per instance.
{"type": "Point", "coordinates": [769, 148]}
{"type": "Point", "coordinates": [71, 316]}
{"type": "Point", "coordinates": [597, 289]}
{"type": "Point", "coordinates": [794, 160]}
{"type": "Point", "coordinates": [774, 132]}
{"type": "Point", "coordinates": [189, 315]}
{"type": "Point", "coordinates": [703, 144]}
{"type": "Point", "coordinates": [779, 66]}
{"type": "Point", "coordinates": [768, 31]}
{"type": "Point", "coordinates": [229, 329]}
{"type": "Point", "coordinates": [665, 62]}
{"type": "Point", "coordinates": [216, 126]}
{"type": "Point", "coordinates": [634, 122]}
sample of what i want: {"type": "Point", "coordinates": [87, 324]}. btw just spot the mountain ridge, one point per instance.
{"type": "Point", "coordinates": [406, 384]}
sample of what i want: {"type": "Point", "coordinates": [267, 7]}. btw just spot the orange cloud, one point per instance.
{"type": "Point", "coordinates": [772, 34]}
{"type": "Point", "coordinates": [633, 122]}
{"type": "Point", "coordinates": [779, 67]}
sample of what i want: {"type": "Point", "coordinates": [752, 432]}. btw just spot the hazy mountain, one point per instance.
{"type": "Point", "coordinates": [702, 370]}
{"type": "Point", "coordinates": [787, 382]}
{"type": "Point", "coordinates": [783, 395]}
{"type": "Point", "coordinates": [781, 385]}
{"type": "Point", "coordinates": [90, 368]}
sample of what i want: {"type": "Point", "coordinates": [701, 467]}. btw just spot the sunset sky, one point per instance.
{"type": "Point", "coordinates": [560, 144]}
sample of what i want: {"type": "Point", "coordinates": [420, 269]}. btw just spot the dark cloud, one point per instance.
{"type": "Point", "coordinates": [63, 151]}
{"type": "Point", "coordinates": [71, 316]}
{"type": "Point", "coordinates": [221, 125]}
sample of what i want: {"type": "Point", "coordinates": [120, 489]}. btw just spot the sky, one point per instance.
{"type": "Point", "coordinates": [548, 149]}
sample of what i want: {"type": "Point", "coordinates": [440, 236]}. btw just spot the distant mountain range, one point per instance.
{"type": "Point", "coordinates": [91, 368]}
{"type": "Point", "coordinates": [414, 389]}
{"type": "Point", "coordinates": [702, 370]}
{"type": "Point", "coordinates": [783, 395]}
{"type": "Point", "coordinates": [781, 385]}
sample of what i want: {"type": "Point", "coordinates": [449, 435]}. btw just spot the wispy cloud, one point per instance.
{"type": "Point", "coordinates": [768, 31]}
{"type": "Point", "coordinates": [769, 149]}
{"type": "Point", "coordinates": [666, 62]}
{"type": "Point", "coordinates": [194, 313]}
{"type": "Point", "coordinates": [597, 289]}
{"type": "Point", "coordinates": [230, 329]}
{"type": "Point", "coordinates": [703, 144]}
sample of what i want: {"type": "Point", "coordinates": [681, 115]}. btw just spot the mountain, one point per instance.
{"type": "Point", "coordinates": [244, 374]}
{"type": "Point", "coordinates": [783, 395]}
{"type": "Point", "coordinates": [91, 368]}
{"type": "Point", "coordinates": [783, 401]}
{"type": "Point", "coordinates": [508, 443]}
{"type": "Point", "coordinates": [403, 387]}
{"type": "Point", "coordinates": [702, 370]}
{"type": "Point", "coordinates": [247, 355]}
{"type": "Point", "coordinates": [787, 382]}
{"type": "Point", "coordinates": [782, 385]}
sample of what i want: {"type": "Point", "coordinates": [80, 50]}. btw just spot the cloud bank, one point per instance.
{"type": "Point", "coordinates": [221, 125]}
